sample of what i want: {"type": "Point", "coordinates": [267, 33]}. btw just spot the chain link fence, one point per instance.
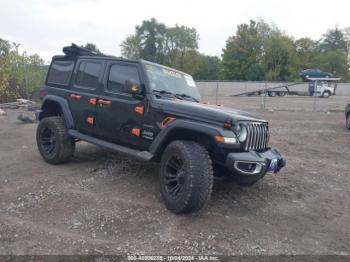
{"type": "Point", "coordinates": [225, 93]}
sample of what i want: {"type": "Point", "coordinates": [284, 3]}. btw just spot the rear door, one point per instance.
{"type": "Point", "coordinates": [84, 94]}
{"type": "Point", "coordinates": [120, 114]}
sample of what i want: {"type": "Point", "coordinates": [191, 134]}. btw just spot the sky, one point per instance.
{"type": "Point", "coordinates": [45, 26]}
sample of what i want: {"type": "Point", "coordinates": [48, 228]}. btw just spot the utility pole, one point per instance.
{"type": "Point", "coordinates": [25, 75]}
{"type": "Point", "coordinates": [315, 95]}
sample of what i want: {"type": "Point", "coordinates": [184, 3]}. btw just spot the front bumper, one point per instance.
{"type": "Point", "coordinates": [255, 163]}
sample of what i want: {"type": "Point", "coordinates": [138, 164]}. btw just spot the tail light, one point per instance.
{"type": "Point", "coordinates": [41, 93]}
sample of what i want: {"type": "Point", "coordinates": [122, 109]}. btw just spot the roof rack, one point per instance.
{"type": "Point", "coordinates": [75, 50]}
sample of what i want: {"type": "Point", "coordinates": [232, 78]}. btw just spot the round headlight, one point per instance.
{"type": "Point", "coordinates": [243, 134]}
{"type": "Point", "coordinates": [237, 129]}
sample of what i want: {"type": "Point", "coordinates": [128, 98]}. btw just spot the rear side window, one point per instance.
{"type": "Point", "coordinates": [60, 72]}
{"type": "Point", "coordinates": [118, 74]}
{"type": "Point", "coordinates": [88, 74]}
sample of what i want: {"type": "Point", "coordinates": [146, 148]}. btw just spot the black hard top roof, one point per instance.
{"type": "Point", "coordinates": [74, 51]}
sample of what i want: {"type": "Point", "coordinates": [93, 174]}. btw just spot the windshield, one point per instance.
{"type": "Point", "coordinates": [171, 81]}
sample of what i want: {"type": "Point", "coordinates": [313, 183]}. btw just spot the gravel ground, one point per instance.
{"type": "Point", "coordinates": [105, 203]}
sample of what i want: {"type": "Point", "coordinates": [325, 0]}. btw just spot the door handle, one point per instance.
{"type": "Point", "coordinates": [104, 102]}
{"type": "Point", "coordinates": [75, 96]}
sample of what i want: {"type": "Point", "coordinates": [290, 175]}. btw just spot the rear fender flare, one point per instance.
{"type": "Point", "coordinates": [64, 107]}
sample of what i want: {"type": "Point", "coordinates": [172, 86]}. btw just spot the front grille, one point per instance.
{"type": "Point", "coordinates": [257, 136]}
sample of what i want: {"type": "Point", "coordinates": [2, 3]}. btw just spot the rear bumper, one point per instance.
{"type": "Point", "coordinates": [255, 163]}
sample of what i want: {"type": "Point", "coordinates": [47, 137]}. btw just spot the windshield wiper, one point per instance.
{"type": "Point", "coordinates": [187, 96]}
{"type": "Point", "coordinates": [179, 96]}
{"type": "Point", "coordinates": [164, 92]}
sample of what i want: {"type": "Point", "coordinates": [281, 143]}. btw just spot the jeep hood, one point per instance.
{"type": "Point", "coordinates": [204, 112]}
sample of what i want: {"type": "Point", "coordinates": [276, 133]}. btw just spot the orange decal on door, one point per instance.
{"type": "Point", "coordinates": [93, 101]}
{"type": "Point", "coordinates": [139, 110]}
{"type": "Point", "coordinates": [136, 131]}
{"type": "Point", "coordinates": [90, 120]}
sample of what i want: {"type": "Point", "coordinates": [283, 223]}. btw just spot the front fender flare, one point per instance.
{"type": "Point", "coordinates": [194, 126]}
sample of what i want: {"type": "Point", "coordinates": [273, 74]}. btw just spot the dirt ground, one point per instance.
{"type": "Point", "coordinates": [105, 203]}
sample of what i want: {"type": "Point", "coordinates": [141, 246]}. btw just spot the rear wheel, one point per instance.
{"type": "Point", "coordinates": [54, 143]}
{"type": "Point", "coordinates": [186, 177]}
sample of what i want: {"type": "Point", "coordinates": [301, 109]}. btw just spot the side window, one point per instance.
{"type": "Point", "coordinates": [118, 74]}
{"type": "Point", "coordinates": [88, 73]}
{"type": "Point", "coordinates": [60, 72]}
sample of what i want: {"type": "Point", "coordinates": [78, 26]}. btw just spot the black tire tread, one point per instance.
{"type": "Point", "coordinates": [66, 143]}
{"type": "Point", "coordinates": [201, 176]}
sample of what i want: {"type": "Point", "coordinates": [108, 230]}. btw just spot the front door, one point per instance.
{"type": "Point", "coordinates": [120, 115]}
{"type": "Point", "coordinates": [83, 96]}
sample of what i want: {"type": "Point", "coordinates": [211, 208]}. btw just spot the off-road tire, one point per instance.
{"type": "Point", "coordinates": [195, 176]}
{"type": "Point", "coordinates": [64, 145]}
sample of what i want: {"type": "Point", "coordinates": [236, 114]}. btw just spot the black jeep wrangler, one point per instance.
{"type": "Point", "coordinates": [153, 113]}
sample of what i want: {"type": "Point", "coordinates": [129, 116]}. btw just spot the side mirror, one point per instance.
{"type": "Point", "coordinates": [133, 88]}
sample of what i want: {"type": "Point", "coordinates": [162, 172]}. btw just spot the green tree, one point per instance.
{"type": "Point", "coordinates": [20, 74]}
{"type": "Point", "coordinates": [280, 61]}
{"type": "Point", "coordinates": [5, 47]}
{"type": "Point", "coordinates": [179, 41]}
{"type": "Point", "coordinates": [332, 53]}
{"type": "Point", "coordinates": [202, 67]}
{"type": "Point", "coordinates": [333, 61]}
{"type": "Point", "coordinates": [153, 41]}
{"type": "Point", "coordinates": [242, 56]}
{"type": "Point", "coordinates": [306, 51]}
{"type": "Point", "coordinates": [151, 35]}
{"type": "Point", "coordinates": [131, 47]}
{"type": "Point", "coordinates": [333, 40]}
{"type": "Point", "coordinates": [209, 68]}
{"type": "Point", "coordinates": [260, 51]}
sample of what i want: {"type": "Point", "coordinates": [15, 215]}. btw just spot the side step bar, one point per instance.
{"type": "Point", "coordinates": [141, 155]}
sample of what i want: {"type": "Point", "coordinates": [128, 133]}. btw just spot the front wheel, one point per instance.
{"type": "Point", "coordinates": [54, 143]}
{"type": "Point", "coordinates": [186, 176]}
